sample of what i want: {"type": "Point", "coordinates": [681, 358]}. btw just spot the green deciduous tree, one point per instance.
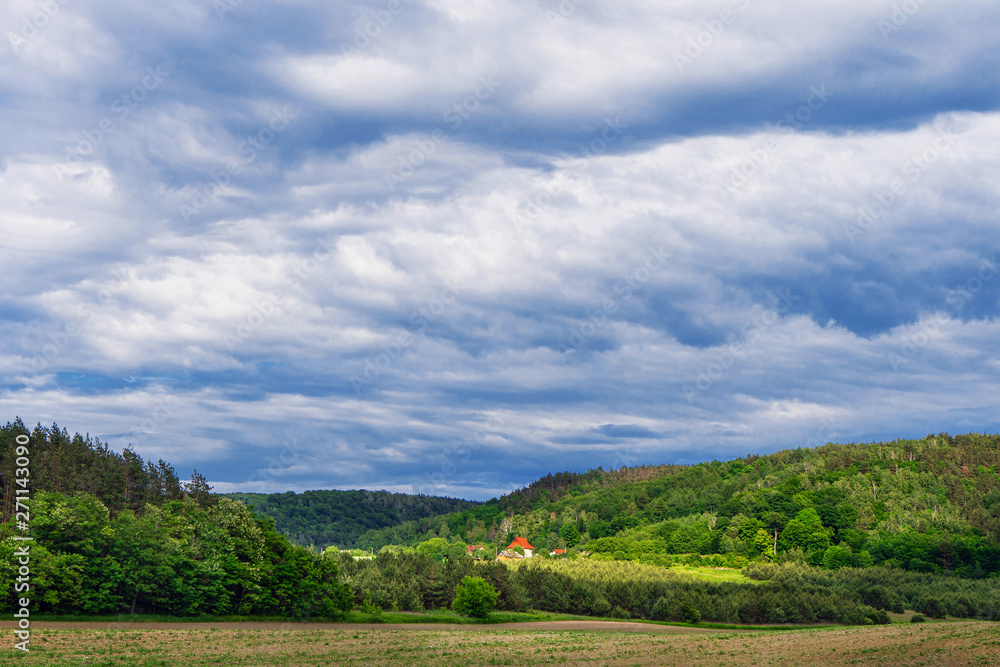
{"type": "Point", "coordinates": [475, 597]}
{"type": "Point", "coordinates": [570, 534]}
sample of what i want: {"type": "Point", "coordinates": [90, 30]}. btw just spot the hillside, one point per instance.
{"type": "Point", "coordinates": [840, 533]}
{"type": "Point", "coordinates": [109, 533]}
{"type": "Point", "coordinates": [931, 504]}
{"type": "Point", "coordinates": [339, 518]}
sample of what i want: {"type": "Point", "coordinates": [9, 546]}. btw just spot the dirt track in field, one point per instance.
{"type": "Point", "coordinates": [589, 626]}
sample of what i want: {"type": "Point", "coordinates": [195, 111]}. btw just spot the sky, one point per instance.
{"type": "Point", "coordinates": [448, 247]}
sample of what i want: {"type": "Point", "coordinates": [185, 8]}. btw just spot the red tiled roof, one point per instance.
{"type": "Point", "coordinates": [558, 551]}
{"type": "Point", "coordinates": [520, 542]}
{"type": "Point", "coordinates": [474, 548]}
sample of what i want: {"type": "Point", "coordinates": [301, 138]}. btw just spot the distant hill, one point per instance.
{"type": "Point", "coordinates": [339, 518]}
{"type": "Point", "coordinates": [931, 504]}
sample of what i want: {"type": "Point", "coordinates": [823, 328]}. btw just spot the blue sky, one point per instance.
{"type": "Point", "coordinates": [449, 247]}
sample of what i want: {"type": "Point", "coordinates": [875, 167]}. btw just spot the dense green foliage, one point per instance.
{"type": "Point", "coordinates": [179, 558]}
{"type": "Point", "coordinates": [475, 597]}
{"type": "Point", "coordinates": [339, 518]}
{"type": "Point", "coordinates": [113, 534]}
{"type": "Point", "coordinates": [928, 505]}
{"type": "Point", "coordinates": [840, 533]}
{"type": "Point", "coordinates": [79, 464]}
{"type": "Point", "coordinates": [789, 593]}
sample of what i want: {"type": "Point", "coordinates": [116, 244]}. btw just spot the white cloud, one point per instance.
{"type": "Point", "coordinates": [495, 245]}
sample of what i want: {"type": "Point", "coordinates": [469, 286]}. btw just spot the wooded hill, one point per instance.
{"type": "Point", "coordinates": [931, 504]}
{"type": "Point", "coordinates": [918, 521]}
{"type": "Point", "coordinates": [339, 518]}
{"type": "Point", "coordinates": [112, 533]}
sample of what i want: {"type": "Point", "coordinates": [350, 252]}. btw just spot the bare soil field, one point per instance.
{"type": "Point", "coordinates": [558, 642]}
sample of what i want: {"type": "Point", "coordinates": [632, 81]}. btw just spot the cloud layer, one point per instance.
{"type": "Point", "coordinates": [449, 247]}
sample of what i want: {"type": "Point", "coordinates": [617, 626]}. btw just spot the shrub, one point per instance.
{"type": "Point", "coordinates": [618, 612]}
{"type": "Point", "coordinates": [917, 618]}
{"type": "Point", "coordinates": [475, 597]}
{"type": "Point", "coordinates": [932, 607]}
{"type": "Point", "coordinates": [368, 607]}
{"type": "Point", "coordinates": [690, 614]}
{"type": "Point", "coordinates": [661, 610]}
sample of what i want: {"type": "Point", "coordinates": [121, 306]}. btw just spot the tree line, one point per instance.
{"type": "Point", "coordinates": [787, 593]}
{"type": "Point", "coordinates": [81, 464]}
{"type": "Point", "coordinates": [178, 558]}
{"type": "Point", "coordinates": [116, 534]}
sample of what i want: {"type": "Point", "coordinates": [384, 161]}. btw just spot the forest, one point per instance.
{"type": "Point", "coordinates": [339, 518]}
{"type": "Point", "coordinates": [839, 533]}
{"type": "Point", "coordinates": [114, 534]}
{"type": "Point", "coordinates": [928, 505]}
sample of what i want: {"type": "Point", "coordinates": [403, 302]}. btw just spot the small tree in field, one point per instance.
{"type": "Point", "coordinates": [475, 597]}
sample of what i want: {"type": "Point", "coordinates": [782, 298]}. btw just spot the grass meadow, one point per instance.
{"type": "Point", "coordinates": [291, 644]}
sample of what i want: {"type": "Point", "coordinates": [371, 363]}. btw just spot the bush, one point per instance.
{"type": "Point", "coordinates": [475, 597]}
{"type": "Point", "coordinates": [917, 618]}
{"type": "Point", "coordinates": [932, 607]}
{"type": "Point", "coordinates": [690, 614]}
{"type": "Point", "coordinates": [661, 610]}
{"type": "Point", "coordinates": [368, 607]}
{"type": "Point", "coordinates": [618, 612]}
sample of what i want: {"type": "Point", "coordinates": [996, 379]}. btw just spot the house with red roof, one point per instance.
{"type": "Point", "coordinates": [557, 552]}
{"type": "Point", "coordinates": [529, 550]}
